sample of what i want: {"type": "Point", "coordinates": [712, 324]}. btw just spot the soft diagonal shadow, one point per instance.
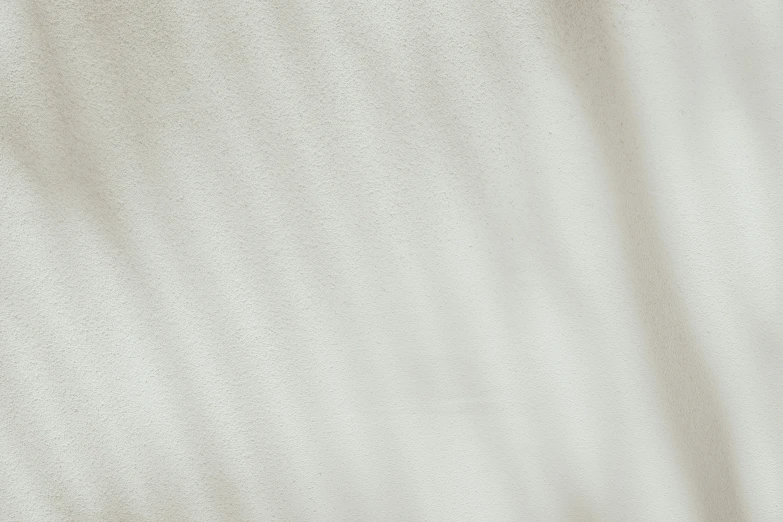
{"type": "Point", "coordinates": [592, 56]}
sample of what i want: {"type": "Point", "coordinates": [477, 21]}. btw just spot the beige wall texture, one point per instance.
{"type": "Point", "coordinates": [437, 260]}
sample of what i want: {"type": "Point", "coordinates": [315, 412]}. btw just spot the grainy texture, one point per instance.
{"type": "Point", "coordinates": [391, 260]}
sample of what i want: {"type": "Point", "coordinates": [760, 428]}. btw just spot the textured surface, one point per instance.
{"type": "Point", "coordinates": [391, 260]}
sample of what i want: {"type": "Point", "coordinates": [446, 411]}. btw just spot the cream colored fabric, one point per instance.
{"type": "Point", "coordinates": [391, 260]}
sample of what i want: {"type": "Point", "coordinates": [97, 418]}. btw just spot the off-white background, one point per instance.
{"type": "Point", "coordinates": [391, 260]}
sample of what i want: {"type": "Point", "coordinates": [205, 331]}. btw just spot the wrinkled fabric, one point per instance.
{"type": "Point", "coordinates": [391, 260]}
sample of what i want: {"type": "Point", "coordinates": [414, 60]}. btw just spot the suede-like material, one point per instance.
{"type": "Point", "coordinates": [438, 260]}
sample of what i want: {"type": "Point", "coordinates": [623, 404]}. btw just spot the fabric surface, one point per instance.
{"type": "Point", "coordinates": [391, 260]}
